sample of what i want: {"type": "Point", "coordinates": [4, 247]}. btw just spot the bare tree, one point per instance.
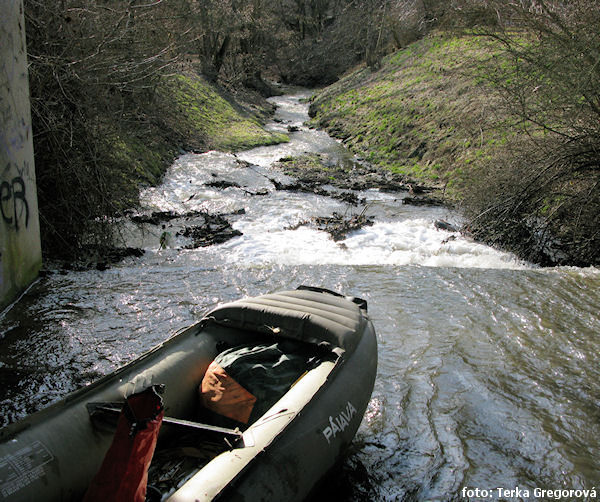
{"type": "Point", "coordinates": [93, 69]}
{"type": "Point", "coordinates": [549, 77]}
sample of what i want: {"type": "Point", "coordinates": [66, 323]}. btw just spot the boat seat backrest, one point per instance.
{"type": "Point", "coordinates": [302, 315]}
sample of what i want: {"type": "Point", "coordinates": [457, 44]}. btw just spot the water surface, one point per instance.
{"type": "Point", "coordinates": [488, 375]}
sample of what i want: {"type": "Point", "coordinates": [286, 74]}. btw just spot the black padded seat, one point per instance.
{"type": "Point", "coordinates": [306, 315]}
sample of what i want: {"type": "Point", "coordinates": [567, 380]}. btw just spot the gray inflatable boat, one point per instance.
{"type": "Point", "coordinates": [281, 454]}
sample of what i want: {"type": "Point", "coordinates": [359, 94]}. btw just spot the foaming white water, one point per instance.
{"type": "Point", "coordinates": [186, 185]}
{"type": "Point", "coordinates": [407, 242]}
{"type": "Point", "coordinates": [277, 225]}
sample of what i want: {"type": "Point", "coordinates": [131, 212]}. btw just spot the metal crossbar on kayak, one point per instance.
{"type": "Point", "coordinates": [114, 409]}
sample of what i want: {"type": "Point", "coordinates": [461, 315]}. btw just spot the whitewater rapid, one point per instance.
{"type": "Point", "coordinates": [488, 374]}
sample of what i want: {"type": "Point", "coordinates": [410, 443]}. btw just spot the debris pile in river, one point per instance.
{"type": "Point", "coordinates": [312, 186]}
{"type": "Point", "coordinates": [99, 257]}
{"type": "Point", "coordinates": [222, 184]}
{"type": "Point", "coordinates": [111, 255]}
{"type": "Point", "coordinates": [158, 217]}
{"type": "Point", "coordinates": [204, 229]}
{"type": "Point", "coordinates": [337, 225]}
{"type": "Point", "coordinates": [215, 230]}
{"type": "Point", "coordinates": [424, 201]}
{"type": "Point", "coordinates": [349, 198]}
{"type": "Point", "coordinates": [319, 169]}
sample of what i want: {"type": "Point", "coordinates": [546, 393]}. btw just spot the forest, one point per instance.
{"type": "Point", "coordinates": [118, 89]}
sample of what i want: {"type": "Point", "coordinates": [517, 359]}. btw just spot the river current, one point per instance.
{"type": "Point", "coordinates": [488, 383]}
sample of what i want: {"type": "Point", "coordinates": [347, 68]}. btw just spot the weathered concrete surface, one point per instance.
{"type": "Point", "coordinates": [20, 247]}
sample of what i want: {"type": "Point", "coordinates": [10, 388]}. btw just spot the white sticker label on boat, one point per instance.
{"type": "Point", "coordinates": [23, 467]}
{"type": "Point", "coordinates": [339, 423]}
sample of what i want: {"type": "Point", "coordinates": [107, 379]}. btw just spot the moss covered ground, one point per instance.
{"type": "Point", "coordinates": [193, 115]}
{"type": "Point", "coordinates": [204, 115]}
{"type": "Point", "coordinates": [425, 113]}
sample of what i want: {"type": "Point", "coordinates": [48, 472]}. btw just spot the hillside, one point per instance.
{"type": "Point", "coordinates": [423, 113]}
{"type": "Point", "coordinates": [191, 114]}
{"type": "Point", "coordinates": [437, 111]}
{"type": "Point", "coordinates": [103, 175]}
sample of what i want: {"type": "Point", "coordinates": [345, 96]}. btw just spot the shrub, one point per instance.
{"type": "Point", "coordinates": [541, 195]}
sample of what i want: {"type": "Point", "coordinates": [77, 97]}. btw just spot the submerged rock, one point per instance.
{"type": "Point", "coordinates": [444, 225]}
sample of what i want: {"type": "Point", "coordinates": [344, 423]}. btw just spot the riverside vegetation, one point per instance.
{"type": "Point", "coordinates": [525, 172]}
{"type": "Point", "coordinates": [494, 103]}
{"type": "Point", "coordinates": [191, 114]}
{"type": "Point", "coordinates": [500, 108]}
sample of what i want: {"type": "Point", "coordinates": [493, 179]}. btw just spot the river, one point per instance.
{"type": "Point", "coordinates": [488, 372]}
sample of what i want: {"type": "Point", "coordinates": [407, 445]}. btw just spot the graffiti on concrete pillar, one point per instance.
{"type": "Point", "coordinates": [13, 203]}
{"type": "Point", "coordinates": [20, 247]}
{"type": "Point", "coordinates": [14, 180]}
{"type": "Point", "coordinates": [17, 179]}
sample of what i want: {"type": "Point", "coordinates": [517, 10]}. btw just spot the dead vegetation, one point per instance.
{"type": "Point", "coordinates": [540, 194]}
{"type": "Point", "coordinates": [338, 225]}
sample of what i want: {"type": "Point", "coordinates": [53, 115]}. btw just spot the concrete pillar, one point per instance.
{"type": "Point", "coordinates": [20, 248]}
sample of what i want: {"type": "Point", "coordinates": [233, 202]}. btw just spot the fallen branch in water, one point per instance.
{"type": "Point", "coordinates": [339, 226]}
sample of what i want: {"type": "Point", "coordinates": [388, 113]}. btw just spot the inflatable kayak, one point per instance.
{"type": "Point", "coordinates": [257, 401]}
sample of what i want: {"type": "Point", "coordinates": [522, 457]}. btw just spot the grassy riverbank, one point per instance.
{"type": "Point", "coordinates": [110, 159]}
{"type": "Point", "coordinates": [438, 111]}
{"type": "Point", "coordinates": [205, 117]}
{"type": "Point", "coordinates": [422, 114]}
{"type": "Point", "coordinates": [190, 115]}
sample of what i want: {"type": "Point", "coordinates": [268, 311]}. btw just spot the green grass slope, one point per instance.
{"type": "Point", "coordinates": [460, 112]}
{"type": "Point", "coordinates": [205, 119]}
{"type": "Point", "coordinates": [424, 113]}
{"type": "Point", "coordinates": [192, 115]}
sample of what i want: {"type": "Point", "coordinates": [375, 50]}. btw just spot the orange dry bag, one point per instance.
{"type": "Point", "coordinates": [243, 382]}
{"type": "Point", "coordinates": [223, 395]}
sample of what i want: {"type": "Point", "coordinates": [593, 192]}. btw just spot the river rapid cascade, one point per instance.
{"type": "Point", "coordinates": [488, 384]}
